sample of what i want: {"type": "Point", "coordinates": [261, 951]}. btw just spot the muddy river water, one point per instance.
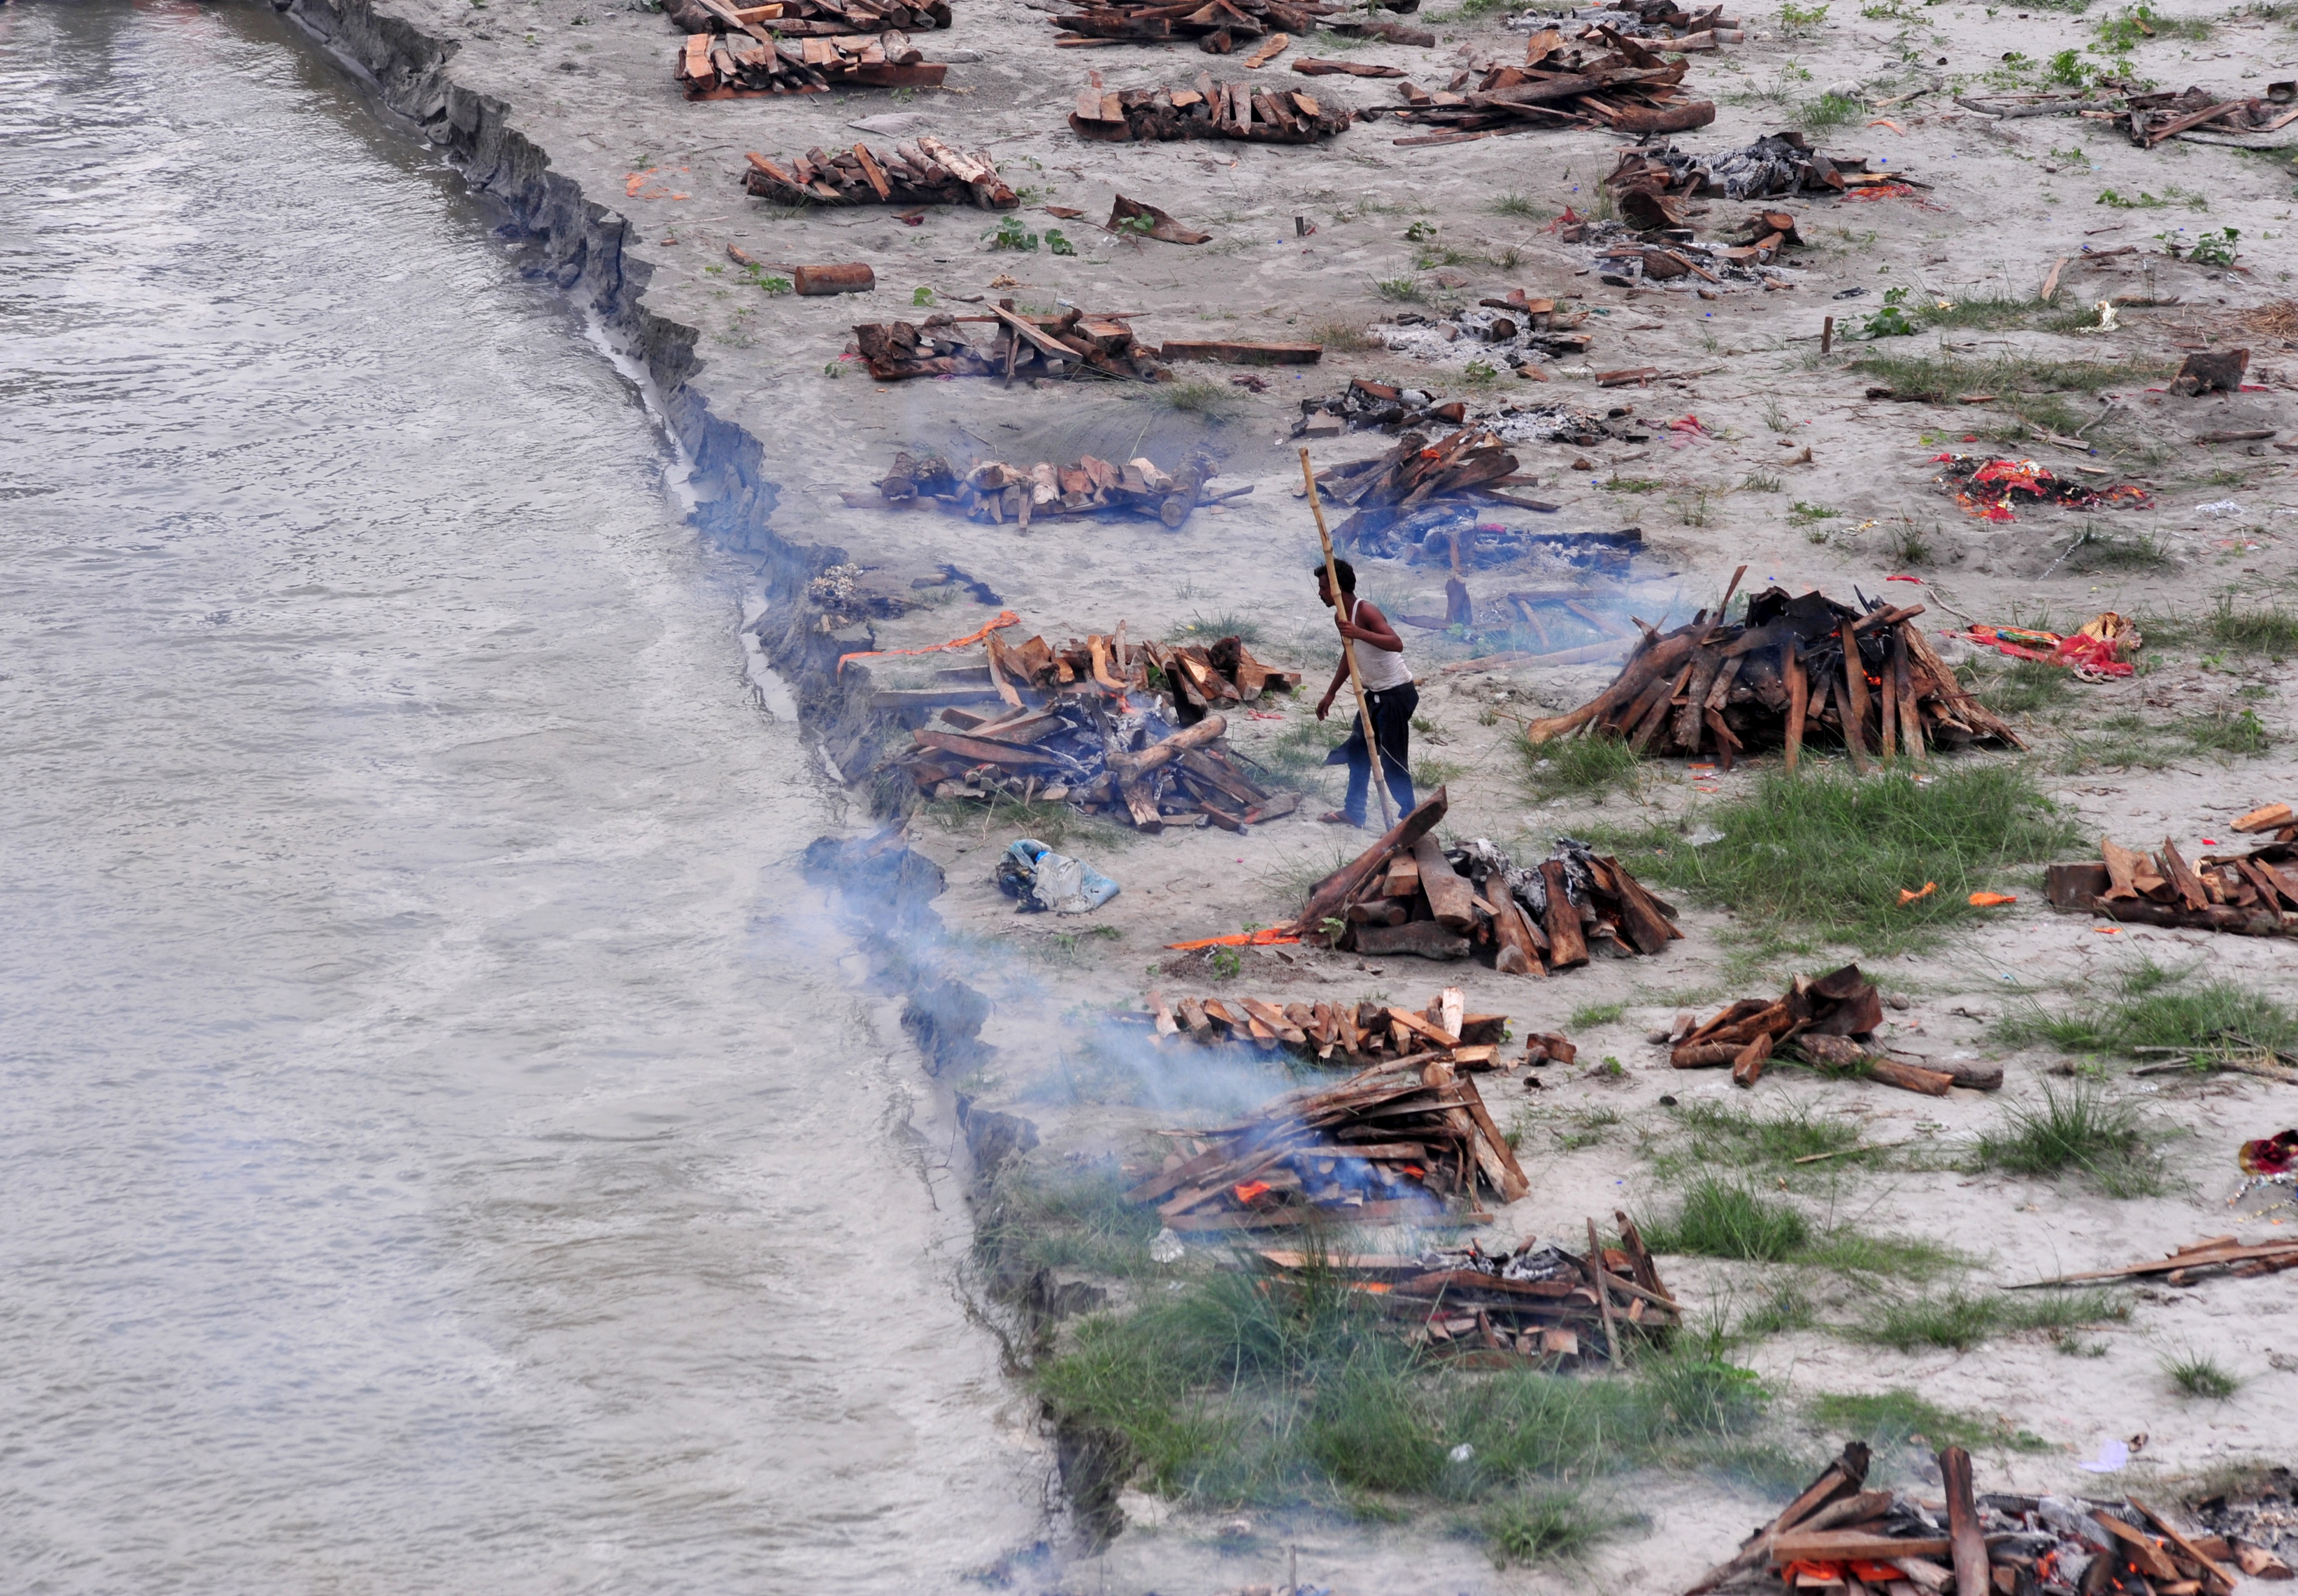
{"type": "Point", "coordinates": [440, 1147]}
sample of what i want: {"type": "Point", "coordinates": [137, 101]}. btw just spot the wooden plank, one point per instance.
{"type": "Point", "coordinates": [979, 750]}
{"type": "Point", "coordinates": [1603, 1294]}
{"type": "Point", "coordinates": [1799, 701]}
{"type": "Point", "coordinates": [1233, 354]}
{"type": "Point", "coordinates": [1965, 1540]}
{"type": "Point", "coordinates": [1568, 948]}
{"type": "Point", "coordinates": [1337, 888]}
{"type": "Point", "coordinates": [1452, 900]}
{"type": "Point", "coordinates": [1842, 1545]}
{"type": "Point", "coordinates": [2211, 1568]}
{"type": "Point", "coordinates": [1516, 1186]}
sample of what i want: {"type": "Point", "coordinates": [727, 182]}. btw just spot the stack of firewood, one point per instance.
{"type": "Point", "coordinates": [925, 172]}
{"type": "Point", "coordinates": [1539, 1302]}
{"type": "Point", "coordinates": [1824, 1021]}
{"type": "Point", "coordinates": [1769, 680]}
{"type": "Point", "coordinates": [726, 66]}
{"type": "Point", "coordinates": [1074, 343]}
{"type": "Point", "coordinates": [1072, 732]}
{"type": "Point", "coordinates": [996, 492]}
{"type": "Point", "coordinates": [2156, 117]}
{"type": "Point", "coordinates": [1353, 1034]}
{"type": "Point", "coordinates": [1667, 20]}
{"type": "Point", "coordinates": [1470, 464]}
{"type": "Point", "coordinates": [1837, 1537]}
{"type": "Point", "coordinates": [1406, 1142]}
{"type": "Point", "coordinates": [798, 19]}
{"type": "Point", "coordinates": [2250, 894]}
{"type": "Point", "coordinates": [1216, 25]}
{"type": "Point", "coordinates": [1406, 895]}
{"type": "Point", "coordinates": [1776, 164]}
{"type": "Point", "coordinates": [1628, 89]}
{"type": "Point", "coordinates": [1211, 109]}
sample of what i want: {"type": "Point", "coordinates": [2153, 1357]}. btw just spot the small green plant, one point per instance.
{"type": "Point", "coordinates": [769, 284]}
{"type": "Point", "coordinates": [2213, 249]}
{"type": "Point", "coordinates": [1404, 289]}
{"type": "Point", "coordinates": [2260, 629]}
{"type": "Point", "coordinates": [1801, 514]}
{"type": "Point", "coordinates": [1345, 338]}
{"type": "Point", "coordinates": [1523, 207]}
{"type": "Point", "coordinates": [1012, 235]}
{"type": "Point", "coordinates": [1205, 399]}
{"type": "Point", "coordinates": [1588, 1016]}
{"type": "Point", "coordinates": [1226, 963]}
{"type": "Point", "coordinates": [1901, 1417]}
{"type": "Point", "coordinates": [1721, 1219]}
{"type": "Point", "coordinates": [1830, 110]}
{"type": "Point", "coordinates": [1960, 1319]}
{"type": "Point", "coordinates": [1801, 21]}
{"type": "Point", "coordinates": [922, 296]}
{"type": "Point", "coordinates": [1545, 1525]}
{"type": "Point", "coordinates": [1760, 481]}
{"type": "Point", "coordinates": [2199, 1375]}
{"type": "Point", "coordinates": [1420, 231]}
{"type": "Point", "coordinates": [2172, 195]}
{"type": "Point", "coordinates": [1056, 245]}
{"type": "Point", "coordinates": [1894, 320]}
{"type": "Point", "coordinates": [1480, 373]}
{"type": "Point", "coordinates": [1632, 485]}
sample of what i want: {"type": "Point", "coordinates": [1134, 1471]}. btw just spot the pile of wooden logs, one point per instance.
{"type": "Point", "coordinates": [1777, 163]}
{"type": "Point", "coordinates": [1364, 403]}
{"type": "Point", "coordinates": [2196, 1260]}
{"type": "Point", "coordinates": [1406, 895]}
{"type": "Point", "coordinates": [1682, 29]}
{"type": "Point", "coordinates": [1470, 464]}
{"type": "Point", "coordinates": [923, 172]}
{"type": "Point", "coordinates": [1540, 1303]}
{"type": "Point", "coordinates": [799, 19]}
{"type": "Point", "coordinates": [1822, 1020]}
{"type": "Point", "coordinates": [2155, 117]}
{"type": "Point", "coordinates": [1837, 1537]}
{"type": "Point", "coordinates": [1072, 732]}
{"type": "Point", "coordinates": [1351, 1034]}
{"type": "Point", "coordinates": [726, 66]}
{"type": "Point", "coordinates": [1628, 89]}
{"type": "Point", "coordinates": [996, 492]}
{"type": "Point", "coordinates": [2250, 894]}
{"type": "Point", "coordinates": [1209, 109]}
{"type": "Point", "coordinates": [1405, 1142]}
{"type": "Point", "coordinates": [1217, 25]}
{"type": "Point", "coordinates": [1074, 343]}
{"type": "Point", "coordinates": [1768, 681]}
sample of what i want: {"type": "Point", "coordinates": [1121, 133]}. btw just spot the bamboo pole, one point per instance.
{"type": "Point", "coordinates": [1348, 649]}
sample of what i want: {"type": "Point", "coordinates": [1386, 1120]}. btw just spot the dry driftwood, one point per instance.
{"type": "Point", "coordinates": [725, 66]}
{"type": "Point", "coordinates": [2249, 895]}
{"type": "Point", "coordinates": [1628, 89]}
{"type": "Point", "coordinates": [925, 171]}
{"type": "Point", "coordinates": [1208, 110]}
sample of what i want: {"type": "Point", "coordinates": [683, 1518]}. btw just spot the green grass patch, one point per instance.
{"type": "Point", "coordinates": [1403, 290]}
{"type": "Point", "coordinates": [1960, 1319]}
{"type": "Point", "coordinates": [2154, 1008]}
{"type": "Point", "coordinates": [2112, 552]}
{"type": "Point", "coordinates": [1830, 110]}
{"type": "Point", "coordinates": [1720, 1218]}
{"type": "Point", "coordinates": [2130, 740]}
{"type": "Point", "coordinates": [1522, 206]}
{"type": "Point", "coordinates": [1052, 824]}
{"type": "Point", "coordinates": [1588, 1016]}
{"type": "Point", "coordinates": [2021, 686]}
{"type": "Point", "coordinates": [1072, 1218]}
{"type": "Point", "coordinates": [1822, 856]}
{"type": "Point", "coordinates": [1983, 310]}
{"type": "Point", "coordinates": [1239, 1390]}
{"type": "Point", "coordinates": [1944, 375]}
{"type": "Point", "coordinates": [1211, 628]}
{"type": "Point", "coordinates": [1207, 401]}
{"type": "Point", "coordinates": [2255, 629]}
{"type": "Point", "coordinates": [1343, 337]}
{"type": "Point", "coordinates": [1549, 1525]}
{"type": "Point", "coordinates": [1900, 1420]}
{"type": "Point", "coordinates": [1710, 1133]}
{"type": "Point", "coordinates": [1581, 767]}
{"type": "Point", "coordinates": [2079, 1130]}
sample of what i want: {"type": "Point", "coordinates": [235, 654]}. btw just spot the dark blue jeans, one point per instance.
{"type": "Point", "coordinates": [1392, 726]}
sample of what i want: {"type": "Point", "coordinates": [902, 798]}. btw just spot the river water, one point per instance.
{"type": "Point", "coordinates": [441, 1149]}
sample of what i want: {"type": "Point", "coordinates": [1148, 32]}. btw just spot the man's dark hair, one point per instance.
{"type": "Point", "coordinates": [1346, 572]}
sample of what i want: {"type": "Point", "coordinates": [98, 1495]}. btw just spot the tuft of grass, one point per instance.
{"type": "Point", "coordinates": [2201, 1375]}
{"type": "Point", "coordinates": [2079, 1130]}
{"type": "Point", "coordinates": [2023, 687]}
{"type": "Point", "coordinates": [1984, 311]}
{"type": "Point", "coordinates": [1588, 1016]}
{"type": "Point", "coordinates": [1581, 767]}
{"type": "Point", "coordinates": [1052, 824]}
{"type": "Point", "coordinates": [1822, 856]}
{"type": "Point", "coordinates": [2129, 740]}
{"type": "Point", "coordinates": [1522, 206]}
{"type": "Point", "coordinates": [1763, 482]}
{"type": "Point", "coordinates": [1728, 1219]}
{"type": "Point", "coordinates": [2259, 629]}
{"type": "Point", "coordinates": [1403, 290]}
{"type": "Point", "coordinates": [2109, 551]}
{"type": "Point", "coordinates": [1899, 1417]}
{"type": "Point", "coordinates": [1203, 628]}
{"type": "Point", "coordinates": [1343, 337]}
{"type": "Point", "coordinates": [1208, 400]}
{"type": "Point", "coordinates": [1830, 110]}
{"type": "Point", "coordinates": [1046, 1218]}
{"type": "Point", "coordinates": [1721, 1219]}
{"type": "Point", "coordinates": [1724, 1133]}
{"type": "Point", "coordinates": [2155, 1008]}
{"type": "Point", "coordinates": [1552, 1524]}
{"type": "Point", "coordinates": [1960, 1319]}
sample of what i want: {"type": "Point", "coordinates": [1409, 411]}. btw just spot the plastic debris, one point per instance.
{"type": "Point", "coordinates": [1043, 879]}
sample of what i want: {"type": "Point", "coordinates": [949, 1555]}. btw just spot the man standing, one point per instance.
{"type": "Point", "coordinates": [1389, 694]}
